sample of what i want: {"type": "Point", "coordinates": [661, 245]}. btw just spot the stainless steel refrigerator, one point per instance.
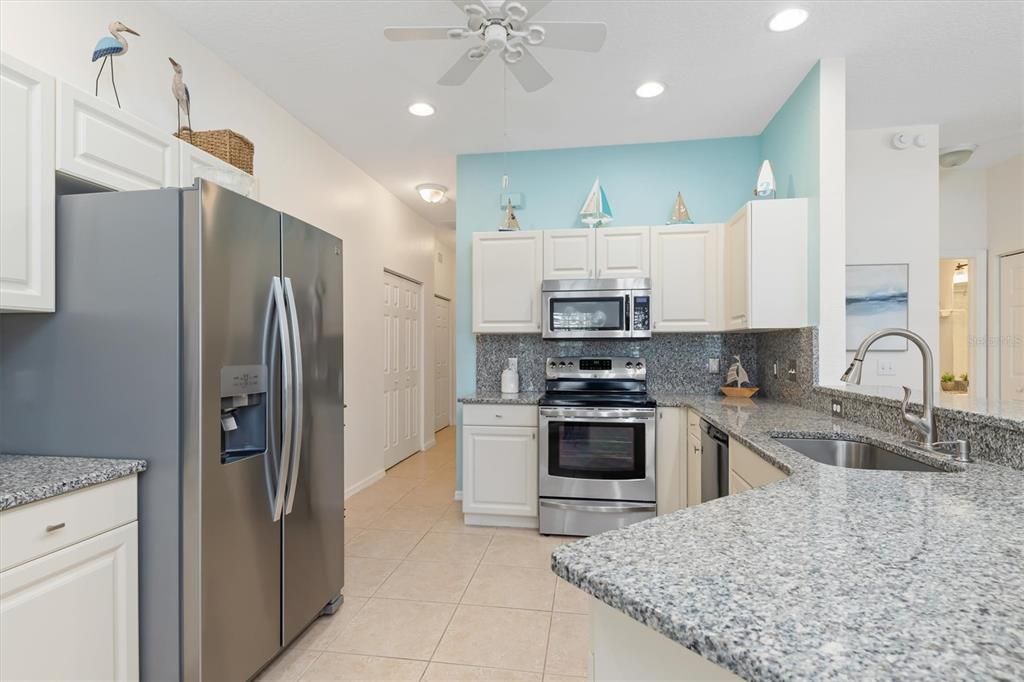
{"type": "Point", "coordinates": [201, 331]}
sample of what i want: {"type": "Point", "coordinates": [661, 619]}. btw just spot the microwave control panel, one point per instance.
{"type": "Point", "coordinates": [641, 313]}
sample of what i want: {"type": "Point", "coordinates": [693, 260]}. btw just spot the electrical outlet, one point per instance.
{"type": "Point", "coordinates": [713, 365]}
{"type": "Point", "coordinates": [791, 370]}
{"type": "Point", "coordinates": [837, 408]}
{"type": "Point", "coordinates": [775, 369]}
{"type": "Point", "coordinates": [887, 367]}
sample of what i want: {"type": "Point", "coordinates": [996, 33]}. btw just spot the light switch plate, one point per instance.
{"type": "Point", "coordinates": [713, 365]}
{"type": "Point", "coordinates": [886, 367]}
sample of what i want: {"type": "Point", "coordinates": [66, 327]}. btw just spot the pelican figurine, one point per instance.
{"type": "Point", "coordinates": [180, 92]}
{"type": "Point", "coordinates": [108, 48]}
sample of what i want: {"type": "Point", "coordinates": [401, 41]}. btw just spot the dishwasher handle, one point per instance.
{"type": "Point", "coordinates": [714, 432]}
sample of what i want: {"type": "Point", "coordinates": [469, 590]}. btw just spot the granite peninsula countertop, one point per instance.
{"type": "Point", "coordinates": [832, 573]}
{"type": "Point", "coordinates": [496, 398]}
{"type": "Point", "coordinates": [30, 478]}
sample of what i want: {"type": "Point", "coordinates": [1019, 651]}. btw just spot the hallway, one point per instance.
{"type": "Point", "coordinates": [429, 598]}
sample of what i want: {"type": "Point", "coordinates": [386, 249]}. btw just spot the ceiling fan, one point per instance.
{"type": "Point", "coordinates": [508, 29]}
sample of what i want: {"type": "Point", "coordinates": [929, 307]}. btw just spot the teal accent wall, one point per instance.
{"type": "Point", "coordinates": [716, 176]}
{"type": "Point", "coordinates": [791, 141]}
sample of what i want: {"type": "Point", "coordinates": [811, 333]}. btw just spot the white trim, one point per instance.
{"type": "Point", "coordinates": [363, 484]}
{"type": "Point", "coordinates": [429, 444]}
{"type": "Point", "coordinates": [501, 520]}
{"type": "Point", "coordinates": [458, 496]}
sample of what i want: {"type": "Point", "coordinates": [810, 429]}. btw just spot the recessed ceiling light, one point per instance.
{"type": "Point", "coordinates": [650, 89]}
{"type": "Point", "coordinates": [421, 109]}
{"type": "Point", "coordinates": [787, 19]}
{"type": "Point", "coordinates": [432, 193]}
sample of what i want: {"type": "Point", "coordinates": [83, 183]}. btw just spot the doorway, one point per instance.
{"type": "Point", "coordinates": [1011, 327]}
{"type": "Point", "coordinates": [402, 368]}
{"type": "Point", "coordinates": [963, 320]}
{"type": "Point", "coordinates": [442, 363]}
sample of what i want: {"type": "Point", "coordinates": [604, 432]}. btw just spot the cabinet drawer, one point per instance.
{"type": "Point", "coordinates": [750, 467]}
{"type": "Point", "coordinates": [48, 525]}
{"type": "Point", "coordinates": [499, 415]}
{"type": "Point", "coordinates": [693, 423]}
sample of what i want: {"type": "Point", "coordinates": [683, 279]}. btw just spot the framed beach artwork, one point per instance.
{"type": "Point", "coordinates": [876, 298]}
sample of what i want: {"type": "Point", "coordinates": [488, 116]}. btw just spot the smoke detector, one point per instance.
{"type": "Point", "coordinates": [951, 157]}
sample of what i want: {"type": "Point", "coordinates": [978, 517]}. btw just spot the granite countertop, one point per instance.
{"type": "Point", "coordinates": [496, 398]}
{"type": "Point", "coordinates": [831, 573]}
{"type": "Point", "coordinates": [29, 478]}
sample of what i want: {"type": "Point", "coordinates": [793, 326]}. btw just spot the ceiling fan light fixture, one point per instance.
{"type": "Point", "coordinates": [432, 193]}
{"type": "Point", "coordinates": [421, 109]}
{"type": "Point", "coordinates": [650, 89]}
{"type": "Point", "coordinates": [787, 19]}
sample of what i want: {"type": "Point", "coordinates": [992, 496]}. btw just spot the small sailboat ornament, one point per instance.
{"type": "Point", "coordinates": [596, 211]}
{"type": "Point", "coordinates": [680, 214]}
{"type": "Point", "coordinates": [737, 375]}
{"type": "Point", "coordinates": [765, 181]}
{"type": "Point", "coordinates": [511, 224]}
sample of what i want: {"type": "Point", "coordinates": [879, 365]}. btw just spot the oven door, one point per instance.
{"type": "Point", "coordinates": [587, 314]}
{"type": "Point", "coordinates": [597, 454]}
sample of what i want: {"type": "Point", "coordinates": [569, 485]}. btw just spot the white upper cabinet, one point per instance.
{"type": "Point", "coordinates": [686, 275]}
{"type": "Point", "coordinates": [570, 254]}
{"type": "Point", "coordinates": [507, 271]}
{"type": "Point", "coordinates": [766, 265]}
{"type": "Point", "coordinates": [100, 143]}
{"type": "Point", "coordinates": [623, 252]}
{"type": "Point", "coordinates": [195, 163]}
{"type": "Point", "coordinates": [26, 188]}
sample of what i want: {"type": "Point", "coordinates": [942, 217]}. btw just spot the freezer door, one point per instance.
{"type": "Point", "coordinates": [238, 257]}
{"type": "Point", "coordinates": [314, 521]}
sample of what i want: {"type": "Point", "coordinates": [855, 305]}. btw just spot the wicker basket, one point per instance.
{"type": "Point", "coordinates": [226, 145]}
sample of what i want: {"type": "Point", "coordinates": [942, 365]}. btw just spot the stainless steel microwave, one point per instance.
{"type": "Point", "coordinates": [596, 308]}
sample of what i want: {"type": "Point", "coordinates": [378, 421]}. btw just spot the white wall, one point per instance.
{"type": "Point", "coordinates": [892, 216]}
{"type": "Point", "coordinates": [963, 210]}
{"type": "Point", "coordinates": [1005, 208]}
{"type": "Point", "coordinates": [444, 263]}
{"type": "Point", "coordinates": [298, 172]}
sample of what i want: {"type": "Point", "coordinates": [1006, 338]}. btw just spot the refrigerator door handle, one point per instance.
{"type": "Point", "coordinates": [298, 406]}
{"type": "Point", "coordinates": [286, 400]}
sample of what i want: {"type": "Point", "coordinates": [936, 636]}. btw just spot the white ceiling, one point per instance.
{"type": "Point", "coordinates": [959, 64]}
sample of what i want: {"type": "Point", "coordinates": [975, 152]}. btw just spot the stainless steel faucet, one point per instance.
{"type": "Point", "coordinates": [924, 426]}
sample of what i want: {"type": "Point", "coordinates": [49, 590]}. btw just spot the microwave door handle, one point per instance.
{"type": "Point", "coordinates": [627, 315]}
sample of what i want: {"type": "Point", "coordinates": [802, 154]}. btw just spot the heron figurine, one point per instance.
{"type": "Point", "coordinates": [180, 92]}
{"type": "Point", "coordinates": [109, 47]}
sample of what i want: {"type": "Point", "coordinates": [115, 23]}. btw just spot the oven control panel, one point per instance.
{"type": "Point", "coordinates": [596, 368]}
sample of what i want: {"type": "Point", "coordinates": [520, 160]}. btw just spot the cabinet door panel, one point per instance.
{"type": "Point", "coordinates": [500, 470]}
{"type": "Point", "coordinates": [737, 271]}
{"type": "Point", "coordinates": [507, 272]}
{"type": "Point", "coordinates": [26, 188]}
{"type": "Point", "coordinates": [73, 614]}
{"type": "Point", "coordinates": [669, 459]}
{"type": "Point", "coordinates": [686, 274]}
{"type": "Point", "coordinates": [98, 142]}
{"type": "Point", "coordinates": [694, 452]}
{"type": "Point", "coordinates": [623, 252]}
{"type": "Point", "coordinates": [569, 254]}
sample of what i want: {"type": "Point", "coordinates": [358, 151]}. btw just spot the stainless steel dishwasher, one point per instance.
{"type": "Point", "coordinates": [714, 462]}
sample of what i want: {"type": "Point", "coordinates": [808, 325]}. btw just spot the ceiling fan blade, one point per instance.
{"type": "Point", "coordinates": [528, 71]}
{"type": "Point", "coordinates": [404, 33]}
{"type": "Point", "coordinates": [573, 35]}
{"type": "Point", "coordinates": [462, 69]}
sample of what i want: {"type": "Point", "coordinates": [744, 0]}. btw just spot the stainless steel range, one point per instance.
{"type": "Point", "coordinates": [597, 446]}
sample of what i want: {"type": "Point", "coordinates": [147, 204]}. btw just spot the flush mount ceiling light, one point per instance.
{"type": "Point", "coordinates": [951, 157]}
{"type": "Point", "coordinates": [787, 19]}
{"type": "Point", "coordinates": [421, 109]}
{"type": "Point", "coordinates": [650, 89]}
{"type": "Point", "coordinates": [432, 193]}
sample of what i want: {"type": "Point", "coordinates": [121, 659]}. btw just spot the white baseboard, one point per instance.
{"type": "Point", "coordinates": [430, 443]}
{"type": "Point", "coordinates": [365, 483]}
{"type": "Point", "coordinates": [500, 520]}
{"type": "Point", "coordinates": [458, 496]}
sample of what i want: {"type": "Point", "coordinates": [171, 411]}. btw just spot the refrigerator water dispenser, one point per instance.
{"type": "Point", "coordinates": [243, 412]}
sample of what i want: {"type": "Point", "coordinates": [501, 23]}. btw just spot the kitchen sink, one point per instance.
{"type": "Point", "coordinates": [854, 454]}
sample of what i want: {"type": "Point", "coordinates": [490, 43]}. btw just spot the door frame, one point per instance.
{"type": "Point", "coordinates": [451, 361]}
{"type": "Point", "coordinates": [995, 300]}
{"type": "Point", "coordinates": [977, 322]}
{"type": "Point", "coordinates": [422, 351]}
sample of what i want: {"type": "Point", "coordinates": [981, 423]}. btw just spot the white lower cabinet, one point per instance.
{"type": "Point", "coordinates": [196, 163]}
{"type": "Point", "coordinates": [499, 465]}
{"type": "Point", "coordinates": [748, 470]}
{"type": "Point", "coordinates": [670, 459]}
{"type": "Point", "coordinates": [72, 613]}
{"type": "Point", "coordinates": [694, 456]}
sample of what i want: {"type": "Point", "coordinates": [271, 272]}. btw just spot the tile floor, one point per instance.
{"type": "Point", "coordinates": [429, 598]}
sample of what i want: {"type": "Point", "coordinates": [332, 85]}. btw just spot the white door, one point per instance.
{"type": "Point", "coordinates": [569, 254]}
{"type": "Point", "coordinates": [401, 368]}
{"type": "Point", "coordinates": [507, 271]}
{"type": "Point", "coordinates": [442, 364]}
{"type": "Point", "coordinates": [26, 188]}
{"type": "Point", "coordinates": [73, 614]}
{"type": "Point", "coordinates": [499, 470]}
{"type": "Point", "coordinates": [1011, 324]}
{"type": "Point", "coordinates": [737, 272]}
{"type": "Point", "coordinates": [623, 252]}
{"type": "Point", "coordinates": [686, 278]}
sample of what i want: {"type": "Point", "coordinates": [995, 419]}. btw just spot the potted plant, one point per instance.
{"type": "Point", "coordinates": [948, 381]}
{"type": "Point", "coordinates": [963, 383]}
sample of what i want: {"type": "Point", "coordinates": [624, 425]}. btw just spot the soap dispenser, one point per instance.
{"type": "Point", "coordinates": [510, 377]}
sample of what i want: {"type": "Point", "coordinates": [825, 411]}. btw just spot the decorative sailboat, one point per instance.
{"type": "Point", "coordinates": [596, 211]}
{"type": "Point", "coordinates": [765, 181]}
{"type": "Point", "coordinates": [511, 224]}
{"type": "Point", "coordinates": [738, 375]}
{"type": "Point", "coordinates": [680, 214]}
